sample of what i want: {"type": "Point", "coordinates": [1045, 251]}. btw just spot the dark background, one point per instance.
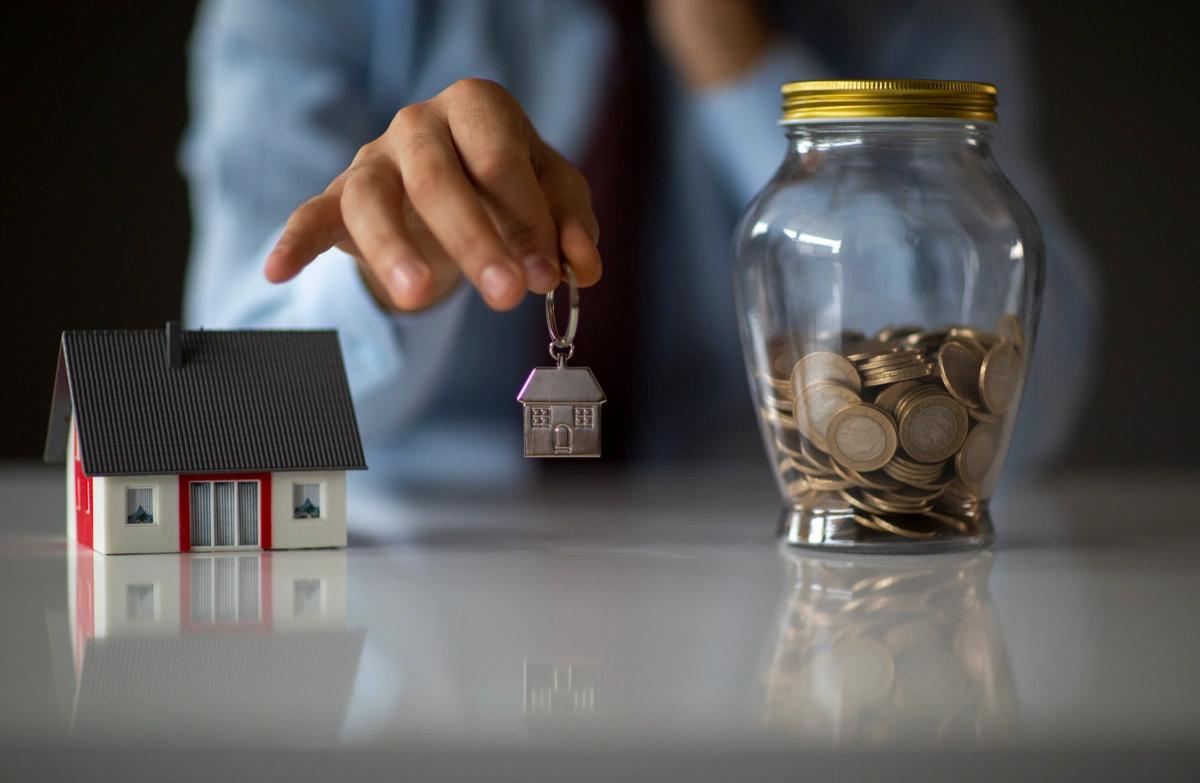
{"type": "Point", "coordinates": [96, 222]}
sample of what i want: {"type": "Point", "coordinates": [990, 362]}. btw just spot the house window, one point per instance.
{"type": "Point", "coordinates": [539, 418]}
{"type": "Point", "coordinates": [583, 417]}
{"type": "Point", "coordinates": [139, 505]}
{"type": "Point", "coordinates": [306, 501]}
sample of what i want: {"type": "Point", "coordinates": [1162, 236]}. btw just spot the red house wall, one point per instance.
{"type": "Point", "coordinates": [84, 512]}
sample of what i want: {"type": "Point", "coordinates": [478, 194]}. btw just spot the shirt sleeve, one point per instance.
{"type": "Point", "coordinates": [280, 104]}
{"type": "Point", "coordinates": [737, 121]}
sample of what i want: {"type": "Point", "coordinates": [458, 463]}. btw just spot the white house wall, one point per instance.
{"type": "Point", "coordinates": [112, 535]}
{"type": "Point", "coordinates": [115, 578]}
{"type": "Point", "coordinates": [328, 531]}
{"type": "Point", "coordinates": [295, 572]}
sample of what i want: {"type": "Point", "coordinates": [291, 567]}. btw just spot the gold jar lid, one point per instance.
{"type": "Point", "coordinates": [861, 99]}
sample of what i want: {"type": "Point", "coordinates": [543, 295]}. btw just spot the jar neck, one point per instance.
{"type": "Point", "coordinates": [936, 136]}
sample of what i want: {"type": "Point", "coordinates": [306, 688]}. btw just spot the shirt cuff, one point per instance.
{"type": "Point", "coordinates": [737, 121]}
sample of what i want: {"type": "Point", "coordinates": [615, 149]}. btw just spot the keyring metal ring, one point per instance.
{"type": "Point", "coordinates": [564, 340]}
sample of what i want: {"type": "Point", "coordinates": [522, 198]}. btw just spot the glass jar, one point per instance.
{"type": "Point", "coordinates": [888, 280]}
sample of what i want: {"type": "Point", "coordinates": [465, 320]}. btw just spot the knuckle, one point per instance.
{"type": "Point", "coordinates": [495, 166]}
{"type": "Point", "coordinates": [521, 233]}
{"type": "Point", "coordinates": [474, 89]}
{"type": "Point", "coordinates": [410, 119]}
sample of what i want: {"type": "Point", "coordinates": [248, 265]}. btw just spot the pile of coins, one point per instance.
{"type": "Point", "coordinates": [869, 653]}
{"type": "Point", "coordinates": [902, 429]}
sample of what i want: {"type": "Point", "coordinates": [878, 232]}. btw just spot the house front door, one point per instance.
{"type": "Point", "coordinates": [223, 514]}
{"type": "Point", "coordinates": [562, 439]}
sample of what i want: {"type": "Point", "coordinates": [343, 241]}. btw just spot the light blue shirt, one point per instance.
{"type": "Point", "coordinates": [285, 92]}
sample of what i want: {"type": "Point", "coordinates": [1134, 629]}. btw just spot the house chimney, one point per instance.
{"type": "Point", "coordinates": [174, 345]}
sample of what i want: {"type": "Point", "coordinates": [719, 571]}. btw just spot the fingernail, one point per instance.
{"type": "Point", "coordinates": [541, 273]}
{"type": "Point", "coordinates": [405, 277]}
{"type": "Point", "coordinates": [498, 282]}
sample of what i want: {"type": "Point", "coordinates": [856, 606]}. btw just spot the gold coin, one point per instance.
{"type": "Point", "coordinates": [820, 366]}
{"type": "Point", "coordinates": [978, 452]}
{"type": "Point", "coordinates": [959, 525]}
{"type": "Point", "coordinates": [816, 457]}
{"type": "Point", "coordinates": [905, 530]}
{"type": "Point", "coordinates": [859, 502]}
{"type": "Point", "coordinates": [923, 370]}
{"type": "Point", "coordinates": [888, 398]}
{"type": "Point", "coordinates": [998, 377]}
{"type": "Point", "coordinates": [979, 414]}
{"type": "Point", "coordinates": [816, 405]}
{"type": "Point", "coordinates": [864, 349]}
{"type": "Point", "coordinates": [782, 404]}
{"type": "Point", "coordinates": [861, 436]}
{"type": "Point", "coordinates": [896, 332]}
{"type": "Point", "coordinates": [895, 356]}
{"type": "Point", "coordinates": [827, 484]}
{"type": "Point", "coordinates": [958, 366]}
{"type": "Point", "coordinates": [777, 419]}
{"type": "Point", "coordinates": [933, 428]}
{"type": "Point", "coordinates": [871, 479]}
{"type": "Point", "coordinates": [784, 447]}
{"type": "Point", "coordinates": [1009, 328]}
{"type": "Point", "coordinates": [911, 496]}
{"type": "Point", "coordinates": [781, 385]}
{"type": "Point", "coordinates": [909, 398]}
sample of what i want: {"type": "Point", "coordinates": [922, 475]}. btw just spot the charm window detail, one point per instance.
{"type": "Point", "coordinates": [539, 418]}
{"type": "Point", "coordinates": [583, 417]}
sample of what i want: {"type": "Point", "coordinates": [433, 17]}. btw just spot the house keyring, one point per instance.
{"type": "Point", "coordinates": [562, 404]}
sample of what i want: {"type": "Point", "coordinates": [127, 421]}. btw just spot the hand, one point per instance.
{"type": "Point", "coordinates": [710, 41]}
{"type": "Point", "coordinates": [458, 185]}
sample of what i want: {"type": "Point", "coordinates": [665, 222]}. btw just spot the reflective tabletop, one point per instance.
{"type": "Point", "coordinates": [614, 628]}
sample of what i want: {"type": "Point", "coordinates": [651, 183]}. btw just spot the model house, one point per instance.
{"type": "Point", "coordinates": [181, 441]}
{"type": "Point", "coordinates": [562, 412]}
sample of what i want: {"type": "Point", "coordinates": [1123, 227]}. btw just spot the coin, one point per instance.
{"type": "Point", "coordinates": [827, 484]}
{"type": "Point", "coordinates": [816, 404]}
{"type": "Point", "coordinates": [933, 428]}
{"type": "Point", "coordinates": [923, 370]}
{"type": "Point", "coordinates": [893, 357]}
{"type": "Point", "coordinates": [870, 479]}
{"type": "Point", "coordinates": [888, 397]}
{"type": "Point", "coordinates": [896, 332]}
{"type": "Point", "coordinates": [861, 436]}
{"type": "Point", "coordinates": [781, 385]}
{"type": "Point", "coordinates": [904, 530]}
{"type": "Point", "coordinates": [958, 366]}
{"type": "Point", "coordinates": [821, 366]}
{"type": "Point", "coordinates": [1009, 328]}
{"type": "Point", "coordinates": [975, 459]}
{"type": "Point", "coordinates": [979, 414]}
{"type": "Point", "coordinates": [998, 376]}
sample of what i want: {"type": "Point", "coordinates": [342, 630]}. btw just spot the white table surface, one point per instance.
{"type": "Point", "coordinates": [631, 629]}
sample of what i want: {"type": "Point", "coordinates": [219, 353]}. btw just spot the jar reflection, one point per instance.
{"type": "Point", "coordinates": [871, 651]}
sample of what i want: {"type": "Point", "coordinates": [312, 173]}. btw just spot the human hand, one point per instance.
{"type": "Point", "coordinates": [709, 41]}
{"type": "Point", "coordinates": [457, 185]}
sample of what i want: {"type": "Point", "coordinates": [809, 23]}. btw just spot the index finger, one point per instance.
{"type": "Point", "coordinates": [313, 228]}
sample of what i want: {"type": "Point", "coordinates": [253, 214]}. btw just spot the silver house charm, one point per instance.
{"type": "Point", "coordinates": [562, 404]}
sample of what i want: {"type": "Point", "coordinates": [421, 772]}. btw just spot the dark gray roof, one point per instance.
{"type": "Point", "coordinates": [567, 384]}
{"type": "Point", "coordinates": [244, 400]}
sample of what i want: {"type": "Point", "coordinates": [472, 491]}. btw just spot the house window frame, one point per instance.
{"type": "Point", "coordinates": [585, 422]}
{"type": "Point", "coordinates": [212, 514]}
{"type": "Point", "coordinates": [154, 517]}
{"type": "Point", "coordinates": [541, 417]}
{"type": "Point", "coordinates": [322, 497]}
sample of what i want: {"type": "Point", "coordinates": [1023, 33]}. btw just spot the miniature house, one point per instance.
{"type": "Point", "coordinates": [181, 441]}
{"type": "Point", "coordinates": [562, 412]}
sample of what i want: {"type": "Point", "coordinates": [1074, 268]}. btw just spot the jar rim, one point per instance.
{"type": "Point", "coordinates": [899, 99]}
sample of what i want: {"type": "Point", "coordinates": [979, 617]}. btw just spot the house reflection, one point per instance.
{"type": "Point", "coordinates": [224, 646]}
{"type": "Point", "coordinates": [888, 650]}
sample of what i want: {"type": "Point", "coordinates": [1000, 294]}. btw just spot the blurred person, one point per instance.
{"type": "Point", "coordinates": [408, 171]}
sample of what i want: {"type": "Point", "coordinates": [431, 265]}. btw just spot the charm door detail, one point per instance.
{"type": "Point", "coordinates": [562, 404]}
